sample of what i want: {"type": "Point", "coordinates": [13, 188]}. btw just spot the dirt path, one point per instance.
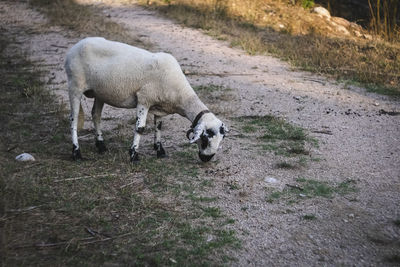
{"type": "Point", "coordinates": [356, 142]}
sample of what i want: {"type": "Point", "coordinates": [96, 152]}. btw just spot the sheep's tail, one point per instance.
{"type": "Point", "coordinates": [81, 118]}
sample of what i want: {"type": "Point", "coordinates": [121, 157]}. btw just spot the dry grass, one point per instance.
{"type": "Point", "coordinates": [85, 20]}
{"type": "Point", "coordinates": [304, 40]}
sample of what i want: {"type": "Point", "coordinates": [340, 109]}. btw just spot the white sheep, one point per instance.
{"type": "Point", "coordinates": [129, 77]}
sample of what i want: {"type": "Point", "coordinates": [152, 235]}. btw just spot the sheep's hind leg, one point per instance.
{"type": "Point", "coordinates": [75, 101]}
{"type": "Point", "coordinates": [96, 116]}
{"type": "Point", "coordinates": [157, 138]}
{"type": "Point", "coordinates": [141, 113]}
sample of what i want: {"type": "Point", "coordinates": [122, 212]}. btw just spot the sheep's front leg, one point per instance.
{"type": "Point", "coordinates": [157, 138]}
{"type": "Point", "coordinates": [141, 115]}
{"type": "Point", "coordinates": [96, 116]}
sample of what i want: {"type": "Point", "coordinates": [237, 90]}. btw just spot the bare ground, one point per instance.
{"type": "Point", "coordinates": [356, 141]}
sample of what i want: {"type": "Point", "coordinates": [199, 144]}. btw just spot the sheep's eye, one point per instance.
{"type": "Point", "coordinates": [222, 130]}
{"type": "Point", "coordinates": [210, 133]}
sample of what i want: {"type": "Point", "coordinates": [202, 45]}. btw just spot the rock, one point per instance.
{"type": "Point", "coordinates": [358, 34]}
{"type": "Point", "coordinates": [25, 157]}
{"type": "Point", "coordinates": [341, 21]}
{"type": "Point", "coordinates": [270, 180]}
{"type": "Point", "coordinates": [322, 11]}
{"type": "Point", "coordinates": [367, 36]}
{"type": "Point", "coordinates": [340, 28]}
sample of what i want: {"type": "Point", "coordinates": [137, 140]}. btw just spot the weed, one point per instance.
{"type": "Point", "coordinates": [214, 212]}
{"type": "Point", "coordinates": [273, 196]}
{"type": "Point", "coordinates": [307, 3]}
{"type": "Point", "coordinates": [309, 217]}
{"type": "Point", "coordinates": [285, 165]}
{"type": "Point", "coordinates": [233, 185]}
{"type": "Point", "coordinates": [309, 188]}
{"type": "Point", "coordinates": [249, 129]}
{"type": "Point", "coordinates": [397, 222]}
{"type": "Point", "coordinates": [277, 135]}
{"type": "Point", "coordinates": [346, 187]}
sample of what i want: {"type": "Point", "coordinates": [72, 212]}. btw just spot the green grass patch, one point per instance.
{"type": "Point", "coordinates": [309, 188]}
{"type": "Point", "coordinates": [276, 135]}
{"type": "Point", "coordinates": [309, 217]}
{"type": "Point", "coordinates": [214, 212]}
{"type": "Point", "coordinates": [273, 196]}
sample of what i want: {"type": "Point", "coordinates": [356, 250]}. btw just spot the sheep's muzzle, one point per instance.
{"type": "Point", "coordinates": [205, 158]}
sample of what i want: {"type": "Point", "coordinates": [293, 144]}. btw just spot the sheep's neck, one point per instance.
{"type": "Point", "coordinates": [192, 107]}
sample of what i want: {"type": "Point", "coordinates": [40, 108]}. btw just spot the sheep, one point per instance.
{"type": "Point", "coordinates": [125, 76]}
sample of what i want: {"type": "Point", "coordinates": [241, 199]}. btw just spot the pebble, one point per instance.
{"type": "Point", "coordinates": [270, 180]}
{"type": "Point", "coordinates": [25, 157]}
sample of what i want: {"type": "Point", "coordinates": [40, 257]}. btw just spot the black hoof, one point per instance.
{"type": "Point", "coordinates": [161, 154]}
{"type": "Point", "coordinates": [76, 153]}
{"type": "Point", "coordinates": [101, 147]}
{"type": "Point", "coordinates": [133, 155]}
{"type": "Point", "coordinates": [160, 150]}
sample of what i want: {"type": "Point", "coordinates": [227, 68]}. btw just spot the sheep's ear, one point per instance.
{"type": "Point", "coordinates": [197, 132]}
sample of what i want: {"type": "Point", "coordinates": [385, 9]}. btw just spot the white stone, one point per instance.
{"type": "Point", "coordinates": [25, 157]}
{"type": "Point", "coordinates": [322, 11]}
{"type": "Point", "coordinates": [342, 29]}
{"type": "Point", "coordinates": [270, 180]}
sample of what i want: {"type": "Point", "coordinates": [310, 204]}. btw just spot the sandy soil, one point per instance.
{"type": "Point", "coordinates": [364, 145]}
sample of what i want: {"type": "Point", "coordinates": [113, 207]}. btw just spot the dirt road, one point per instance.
{"type": "Point", "coordinates": [357, 141]}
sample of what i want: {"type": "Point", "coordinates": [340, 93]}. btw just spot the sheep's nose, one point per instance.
{"type": "Point", "coordinates": [205, 158]}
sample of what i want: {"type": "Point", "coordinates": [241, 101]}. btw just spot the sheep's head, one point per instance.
{"type": "Point", "coordinates": [207, 133]}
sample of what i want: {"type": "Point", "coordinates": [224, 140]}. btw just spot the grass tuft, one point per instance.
{"type": "Point", "coordinates": [309, 217]}
{"type": "Point", "coordinates": [275, 134]}
{"type": "Point", "coordinates": [309, 188]}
